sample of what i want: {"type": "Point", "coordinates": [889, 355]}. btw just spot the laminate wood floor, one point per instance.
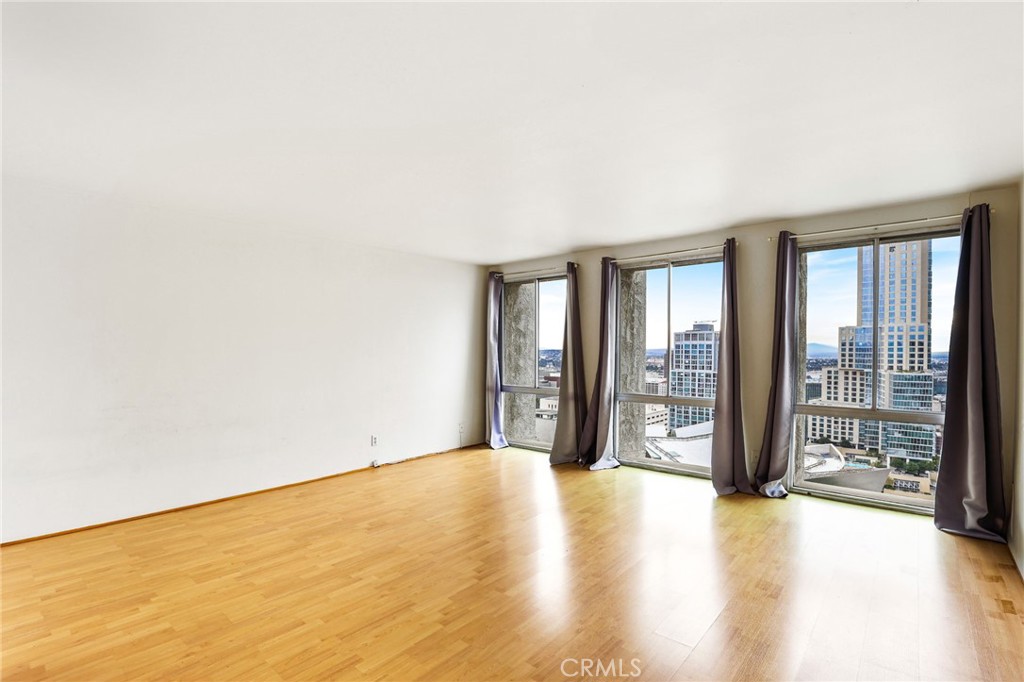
{"type": "Point", "coordinates": [481, 565]}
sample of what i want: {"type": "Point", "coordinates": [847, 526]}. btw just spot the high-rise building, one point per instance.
{"type": "Point", "coordinates": [905, 382]}
{"type": "Point", "coordinates": [693, 373]}
{"type": "Point", "coordinates": [904, 303]}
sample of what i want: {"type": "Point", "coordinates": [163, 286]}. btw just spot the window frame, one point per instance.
{"type": "Point", "coordinates": [803, 410]}
{"type": "Point", "coordinates": [716, 255]}
{"type": "Point", "coordinates": [536, 389]}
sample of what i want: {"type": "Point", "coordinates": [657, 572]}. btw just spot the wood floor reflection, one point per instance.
{"type": "Point", "coordinates": [491, 565]}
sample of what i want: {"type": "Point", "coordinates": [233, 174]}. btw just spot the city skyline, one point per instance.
{"type": "Point", "coordinates": [903, 378]}
{"type": "Point", "coordinates": [832, 293]}
{"type": "Point", "coordinates": [831, 297]}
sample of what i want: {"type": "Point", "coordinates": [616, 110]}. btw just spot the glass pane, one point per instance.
{"type": "Point", "coordinates": [917, 279]}
{"type": "Point", "coordinates": [838, 318]}
{"type": "Point", "coordinates": [519, 342]}
{"type": "Point", "coordinates": [643, 330]}
{"type": "Point", "coordinates": [530, 419]}
{"type": "Point", "coordinates": [696, 307]}
{"type": "Point", "coordinates": [645, 434]}
{"type": "Point", "coordinates": [551, 327]}
{"type": "Point", "coordinates": [868, 458]}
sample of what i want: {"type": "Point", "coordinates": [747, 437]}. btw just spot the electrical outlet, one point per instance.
{"type": "Point", "coordinates": [373, 441]}
{"type": "Point", "coordinates": [462, 427]}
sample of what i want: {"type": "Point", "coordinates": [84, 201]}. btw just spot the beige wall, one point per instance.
{"type": "Point", "coordinates": [1017, 516]}
{"type": "Point", "coordinates": [756, 267]}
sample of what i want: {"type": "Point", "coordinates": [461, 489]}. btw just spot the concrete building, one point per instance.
{"type": "Point", "coordinates": [656, 387]}
{"type": "Point", "coordinates": [655, 414]}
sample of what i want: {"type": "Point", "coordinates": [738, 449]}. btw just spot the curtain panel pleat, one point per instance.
{"type": "Point", "coordinates": [495, 425]}
{"type": "Point", "coordinates": [969, 495]}
{"type": "Point", "coordinates": [773, 461]}
{"type": "Point", "coordinates": [596, 444]}
{"type": "Point", "coordinates": [728, 452]}
{"type": "Point", "coordinates": [572, 399]}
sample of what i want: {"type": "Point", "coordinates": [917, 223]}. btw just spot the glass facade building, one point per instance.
{"type": "Point", "coordinates": [693, 373]}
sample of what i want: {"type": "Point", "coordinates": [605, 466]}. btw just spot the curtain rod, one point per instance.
{"type": "Point", "coordinates": [669, 254]}
{"type": "Point", "coordinates": [875, 227]}
{"type": "Point", "coordinates": [530, 274]}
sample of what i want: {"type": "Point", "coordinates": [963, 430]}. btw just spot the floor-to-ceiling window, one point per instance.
{"type": "Point", "coordinates": [533, 325]}
{"type": "Point", "coordinates": [874, 325]}
{"type": "Point", "coordinates": [667, 352]}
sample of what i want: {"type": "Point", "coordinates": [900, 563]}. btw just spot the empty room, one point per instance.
{"type": "Point", "coordinates": [512, 341]}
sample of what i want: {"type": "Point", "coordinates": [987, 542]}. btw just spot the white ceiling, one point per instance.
{"type": "Point", "coordinates": [490, 133]}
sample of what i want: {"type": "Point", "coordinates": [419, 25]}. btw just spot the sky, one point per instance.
{"type": "Point", "coordinates": [551, 314]}
{"type": "Point", "coordinates": [831, 297]}
{"type": "Point", "coordinates": [696, 297]}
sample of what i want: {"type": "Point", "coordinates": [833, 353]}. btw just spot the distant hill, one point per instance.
{"type": "Point", "coordinates": [820, 350]}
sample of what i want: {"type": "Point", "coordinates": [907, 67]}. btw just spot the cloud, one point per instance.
{"type": "Point", "coordinates": [551, 320]}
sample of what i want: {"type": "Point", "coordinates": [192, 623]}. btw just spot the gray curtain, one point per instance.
{"type": "Point", "coordinates": [728, 452]}
{"type": "Point", "coordinates": [969, 496]}
{"type": "Point", "coordinates": [596, 446]}
{"type": "Point", "coordinates": [572, 392]}
{"type": "Point", "coordinates": [773, 461]}
{"type": "Point", "coordinates": [494, 428]}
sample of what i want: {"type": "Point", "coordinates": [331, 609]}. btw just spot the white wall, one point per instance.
{"type": "Point", "coordinates": [756, 267]}
{"type": "Point", "coordinates": [154, 359]}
